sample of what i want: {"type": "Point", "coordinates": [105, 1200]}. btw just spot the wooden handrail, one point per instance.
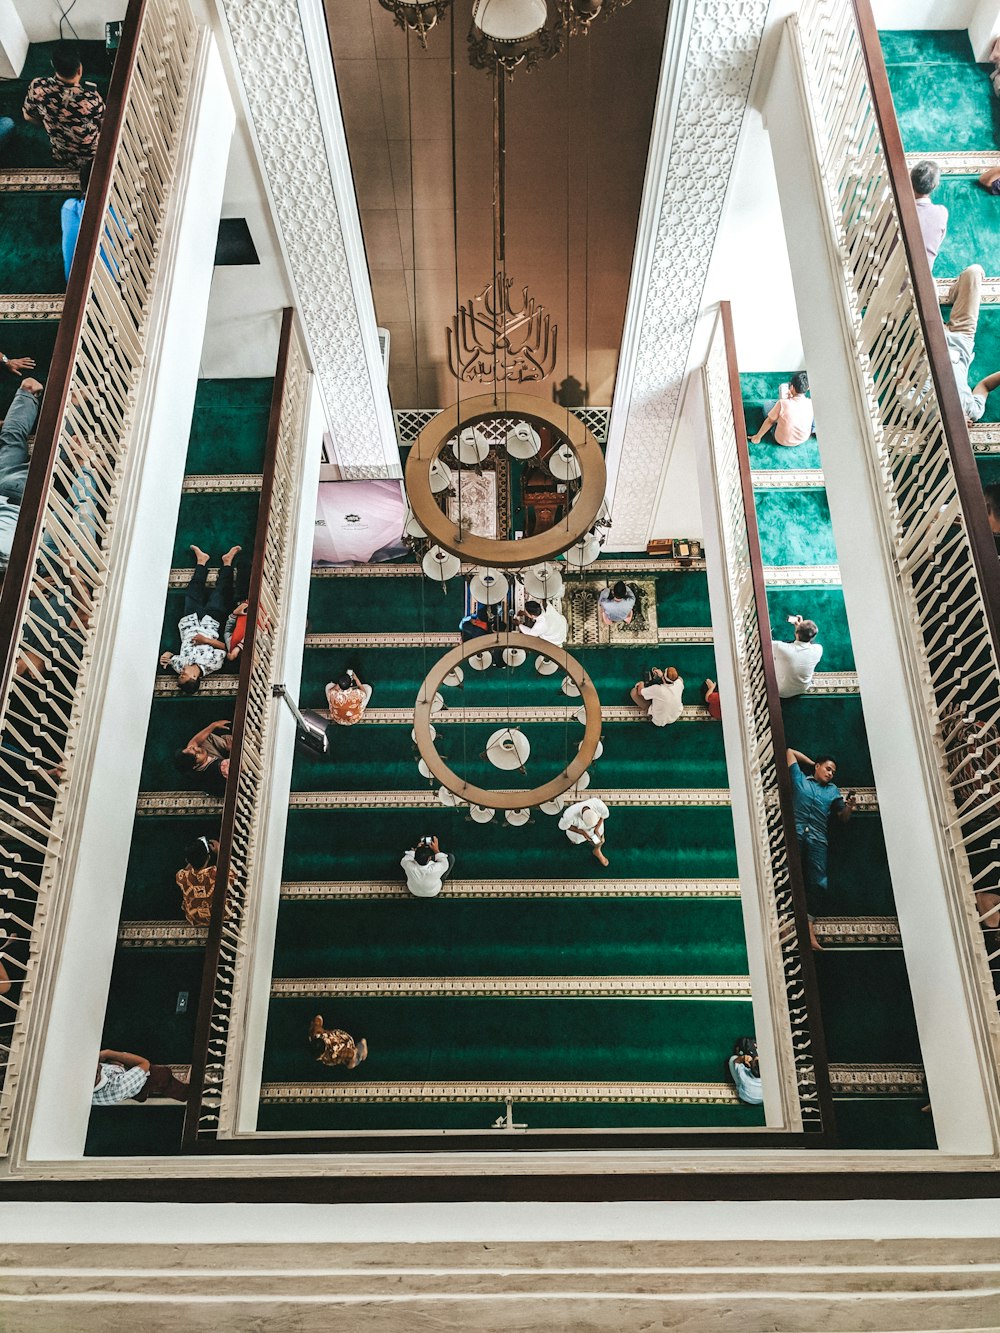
{"type": "Point", "coordinates": [227, 833]}
{"type": "Point", "coordinates": [14, 592]}
{"type": "Point", "coordinates": [796, 881]}
{"type": "Point", "coordinates": [956, 431]}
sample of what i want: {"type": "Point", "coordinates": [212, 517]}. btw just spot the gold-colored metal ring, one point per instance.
{"type": "Point", "coordinates": [506, 800]}
{"type": "Point", "coordinates": [492, 551]}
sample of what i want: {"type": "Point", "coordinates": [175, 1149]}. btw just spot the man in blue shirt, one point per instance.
{"type": "Point", "coordinates": [815, 797]}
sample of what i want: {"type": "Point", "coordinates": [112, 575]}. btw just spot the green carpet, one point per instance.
{"type": "Point", "coordinates": [142, 1004]}
{"type": "Point", "coordinates": [645, 843]}
{"type": "Point", "coordinates": [215, 522]}
{"type": "Point", "coordinates": [826, 607]}
{"type": "Point", "coordinates": [135, 1131]}
{"type": "Point", "coordinates": [973, 231]}
{"type": "Point", "coordinates": [867, 1014]}
{"type": "Point", "coordinates": [883, 1122]}
{"type": "Point", "coordinates": [443, 1038]}
{"type": "Point", "coordinates": [23, 338]}
{"type": "Point", "coordinates": [374, 756]}
{"type": "Point", "coordinates": [943, 99]}
{"type": "Point", "coordinates": [795, 527]}
{"type": "Point", "coordinates": [229, 429]}
{"type": "Point", "coordinates": [30, 145]}
{"type": "Point", "coordinates": [511, 937]}
{"type": "Point", "coordinates": [397, 673]}
{"type": "Point", "coordinates": [31, 256]}
{"type": "Point", "coordinates": [860, 883]}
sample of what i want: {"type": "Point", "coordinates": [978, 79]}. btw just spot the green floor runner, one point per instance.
{"type": "Point", "coordinates": [493, 1038]}
{"type": "Point", "coordinates": [31, 255]}
{"type": "Point", "coordinates": [860, 884]}
{"type": "Point", "coordinates": [894, 1123]}
{"type": "Point", "coordinates": [135, 1131]}
{"type": "Point", "coordinates": [23, 338]}
{"type": "Point", "coordinates": [30, 144]}
{"type": "Point", "coordinates": [835, 725]}
{"type": "Point", "coordinates": [374, 756]}
{"type": "Point", "coordinates": [795, 527]}
{"type": "Point", "coordinates": [973, 231]}
{"type": "Point", "coordinates": [682, 598]}
{"type": "Point", "coordinates": [215, 523]}
{"type": "Point", "coordinates": [678, 842]}
{"type": "Point", "coordinates": [396, 674]}
{"type": "Point", "coordinates": [142, 1004]}
{"type": "Point", "coordinates": [511, 937]}
{"type": "Point", "coordinates": [865, 999]}
{"type": "Point", "coordinates": [943, 99]}
{"type": "Point", "coordinates": [537, 1115]}
{"type": "Point", "coordinates": [229, 429]}
{"type": "Point", "coordinates": [758, 389]}
{"type": "Point", "coordinates": [826, 607]}
{"type": "Point", "coordinates": [157, 854]}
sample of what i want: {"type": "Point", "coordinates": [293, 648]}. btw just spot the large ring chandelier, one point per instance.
{"type": "Point", "coordinates": [424, 732]}
{"type": "Point", "coordinates": [577, 457]}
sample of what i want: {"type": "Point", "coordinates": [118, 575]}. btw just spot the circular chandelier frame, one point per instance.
{"type": "Point", "coordinates": [490, 550]}
{"type": "Point", "coordinates": [506, 800]}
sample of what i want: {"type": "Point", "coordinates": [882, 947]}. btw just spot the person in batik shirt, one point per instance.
{"type": "Point", "coordinates": [333, 1047]}
{"type": "Point", "coordinates": [69, 110]}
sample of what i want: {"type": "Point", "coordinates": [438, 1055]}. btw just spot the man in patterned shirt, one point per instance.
{"type": "Point", "coordinates": [202, 652]}
{"type": "Point", "coordinates": [69, 110]}
{"type": "Point", "coordinates": [123, 1077]}
{"type": "Point", "coordinates": [347, 698]}
{"type": "Point", "coordinates": [331, 1046]}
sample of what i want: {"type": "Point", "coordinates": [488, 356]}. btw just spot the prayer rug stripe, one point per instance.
{"type": "Point", "coordinates": [655, 987]}
{"type": "Point", "coordinates": [502, 888]}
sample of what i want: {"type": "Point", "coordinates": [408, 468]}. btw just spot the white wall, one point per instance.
{"type": "Point", "coordinates": [13, 41]}
{"type": "Point", "coordinates": [99, 841]}
{"type": "Point", "coordinates": [88, 17]}
{"type": "Point", "coordinates": [923, 13]}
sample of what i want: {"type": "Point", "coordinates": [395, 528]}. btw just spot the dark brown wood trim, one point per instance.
{"type": "Point", "coordinates": [213, 945]}
{"type": "Point", "coordinates": [956, 432]}
{"type": "Point", "coordinates": [823, 1091]}
{"type": "Point", "coordinates": [595, 1188]}
{"type": "Point", "coordinates": [15, 590]}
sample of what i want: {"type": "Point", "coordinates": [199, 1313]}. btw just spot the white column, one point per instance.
{"type": "Point", "coordinates": [955, 1054]}
{"type": "Point", "coordinates": [13, 41]}
{"type": "Point", "coordinates": [68, 1026]}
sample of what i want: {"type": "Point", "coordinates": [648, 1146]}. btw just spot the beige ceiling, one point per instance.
{"type": "Point", "coordinates": [584, 116]}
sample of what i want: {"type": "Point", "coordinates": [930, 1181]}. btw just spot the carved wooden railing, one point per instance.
{"type": "Point", "coordinates": [53, 601]}
{"type": "Point", "coordinates": [933, 516]}
{"type": "Point", "coordinates": [798, 1034]}
{"type": "Point", "coordinates": [244, 810]}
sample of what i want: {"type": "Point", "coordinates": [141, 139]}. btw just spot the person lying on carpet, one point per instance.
{"type": "Point", "coordinates": [236, 622]}
{"type": "Point", "coordinates": [206, 757]}
{"type": "Point", "coordinates": [814, 799]}
{"type": "Point", "coordinates": [347, 698]}
{"type": "Point", "coordinates": [795, 663]}
{"type": "Point", "coordinates": [123, 1077]}
{"type": "Point", "coordinates": [791, 414]}
{"type": "Point", "coordinates": [202, 652]}
{"type": "Point", "coordinates": [332, 1047]}
{"type": "Point", "coordinates": [426, 867]}
{"type": "Point", "coordinates": [960, 334]}
{"type": "Point", "coordinates": [658, 697]}
{"type": "Point", "coordinates": [744, 1069]}
{"type": "Point", "coordinates": [584, 822]}
{"type": "Point", "coordinates": [617, 604]}
{"type": "Point", "coordinates": [925, 178]}
{"type": "Point", "coordinates": [542, 623]}
{"type": "Point", "coordinates": [197, 879]}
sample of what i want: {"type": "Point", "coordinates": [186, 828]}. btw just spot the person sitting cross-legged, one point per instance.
{"type": "Point", "coordinates": [617, 604]}
{"type": "Point", "coordinates": [791, 415]}
{"type": "Point", "coordinates": [206, 757]}
{"type": "Point", "coordinates": [542, 623]}
{"type": "Point", "coordinates": [202, 652]}
{"type": "Point", "coordinates": [815, 798]}
{"type": "Point", "coordinates": [426, 867]}
{"type": "Point", "coordinates": [347, 698]}
{"type": "Point", "coordinates": [333, 1047]}
{"type": "Point", "coordinates": [795, 663]}
{"type": "Point", "coordinates": [584, 822]}
{"type": "Point", "coordinates": [660, 698]}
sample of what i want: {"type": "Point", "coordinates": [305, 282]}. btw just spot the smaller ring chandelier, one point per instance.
{"type": "Point", "coordinates": [576, 460]}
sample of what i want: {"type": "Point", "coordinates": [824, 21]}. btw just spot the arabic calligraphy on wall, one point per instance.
{"type": "Point", "coordinates": [492, 340]}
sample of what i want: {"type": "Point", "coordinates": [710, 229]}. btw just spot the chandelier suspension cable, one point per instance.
{"type": "Point", "coordinates": [568, 345]}
{"type": "Point", "coordinates": [454, 237]}
{"type": "Point", "coordinates": [413, 226]}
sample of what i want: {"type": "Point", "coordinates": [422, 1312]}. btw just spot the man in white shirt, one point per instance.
{"type": "Point", "coordinates": [796, 662]}
{"type": "Point", "coordinates": [584, 822]}
{"type": "Point", "coordinates": [426, 867]}
{"type": "Point", "coordinates": [547, 623]}
{"type": "Point", "coordinates": [661, 700]}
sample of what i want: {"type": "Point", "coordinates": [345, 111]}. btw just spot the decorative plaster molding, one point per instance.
{"type": "Point", "coordinates": [342, 890]}
{"type": "Point", "coordinates": [708, 64]}
{"type": "Point", "coordinates": [296, 119]}
{"type": "Point", "coordinates": [372, 988]}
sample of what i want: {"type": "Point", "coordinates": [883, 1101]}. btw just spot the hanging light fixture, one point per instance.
{"type": "Point", "coordinates": [509, 33]}
{"type": "Point", "coordinates": [508, 748]}
{"type": "Point", "coordinates": [472, 447]}
{"type": "Point", "coordinates": [584, 552]}
{"type": "Point", "coordinates": [488, 586]}
{"type": "Point", "coordinates": [417, 16]}
{"type": "Point", "coordinates": [523, 441]}
{"type": "Point", "coordinates": [440, 565]}
{"type": "Point", "coordinates": [563, 463]}
{"type": "Point", "coordinates": [543, 581]}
